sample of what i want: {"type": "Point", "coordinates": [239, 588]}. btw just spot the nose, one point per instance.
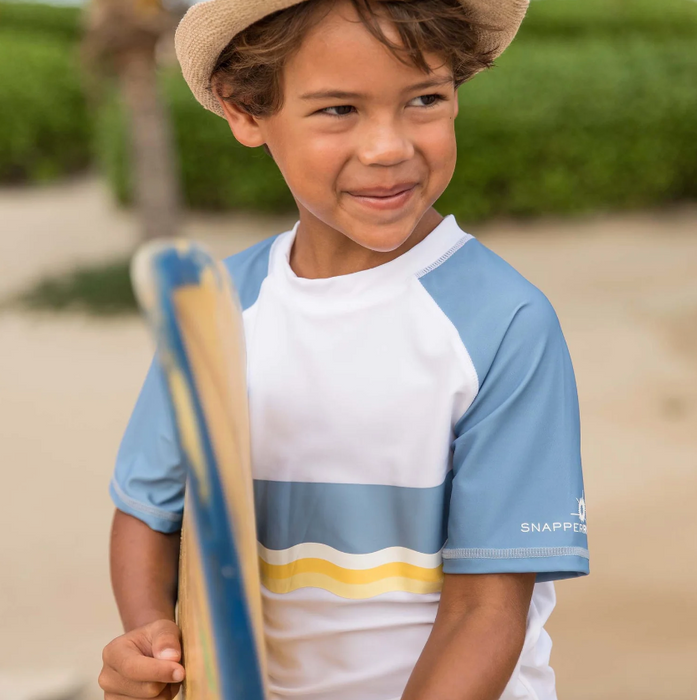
{"type": "Point", "coordinates": [384, 143]}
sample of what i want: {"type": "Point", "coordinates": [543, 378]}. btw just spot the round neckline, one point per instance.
{"type": "Point", "coordinates": [416, 258]}
{"type": "Point", "coordinates": [363, 288]}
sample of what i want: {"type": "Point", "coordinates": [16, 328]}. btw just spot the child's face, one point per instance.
{"type": "Point", "coordinates": [365, 143]}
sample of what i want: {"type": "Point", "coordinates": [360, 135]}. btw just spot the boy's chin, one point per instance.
{"type": "Point", "coordinates": [382, 237]}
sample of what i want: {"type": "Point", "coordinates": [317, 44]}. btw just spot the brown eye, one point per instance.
{"type": "Point", "coordinates": [338, 111]}
{"type": "Point", "coordinates": [429, 100]}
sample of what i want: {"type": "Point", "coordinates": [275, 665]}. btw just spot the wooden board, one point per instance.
{"type": "Point", "coordinates": [193, 311]}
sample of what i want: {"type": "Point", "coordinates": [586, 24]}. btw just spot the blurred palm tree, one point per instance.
{"type": "Point", "coordinates": [124, 35]}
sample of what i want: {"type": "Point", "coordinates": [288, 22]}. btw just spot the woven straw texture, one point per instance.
{"type": "Point", "coordinates": [208, 26]}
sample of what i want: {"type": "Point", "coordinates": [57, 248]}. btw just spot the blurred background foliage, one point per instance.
{"type": "Point", "coordinates": [46, 127]}
{"type": "Point", "coordinates": [592, 108]}
{"type": "Point", "coordinates": [579, 19]}
{"type": "Point", "coordinates": [101, 290]}
{"type": "Point", "coordinates": [38, 19]}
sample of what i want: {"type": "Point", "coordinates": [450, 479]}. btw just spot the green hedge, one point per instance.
{"type": "Point", "coordinates": [576, 127]}
{"type": "Point", "coordinates": [40, 19]}
{"type": "Point", "coordinates": [558, 126]}
{"type": "Point", "coordinates": [655, 19]}
{"type": "Point", "coordinates": [46, 129]}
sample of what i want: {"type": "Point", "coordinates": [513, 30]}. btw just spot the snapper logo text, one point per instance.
{"type": "Point", "coordinates": [565, 526]}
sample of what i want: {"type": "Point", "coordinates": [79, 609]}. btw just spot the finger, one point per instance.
{"type": "Point", "coordinates": [130, 689]}
{"type": "Point", "coordinates": [166, 640]}
{"type": "Point", "coordinates": [168, 693]}
{"type": "Point", "coordinates": [112, 683]}
{"type": "Point", "coordinates": [145, 669]}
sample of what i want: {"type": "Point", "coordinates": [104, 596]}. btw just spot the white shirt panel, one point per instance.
{"type": "Point", "coordinates": [364, 376]}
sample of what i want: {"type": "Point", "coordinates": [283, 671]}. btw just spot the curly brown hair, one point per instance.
{"type": "Point", "coordinates": [249, 70]}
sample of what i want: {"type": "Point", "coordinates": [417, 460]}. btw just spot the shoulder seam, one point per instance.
{"type": "Point", "coordinates": [241, 263]}
{"type": "Point", "coordinates": [449, 253]}
{"type": "Point", "coordinates": [458, 343]}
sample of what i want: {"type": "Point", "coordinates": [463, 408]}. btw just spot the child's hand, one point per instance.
{"type": "Point", "coordinates": [143, 663]}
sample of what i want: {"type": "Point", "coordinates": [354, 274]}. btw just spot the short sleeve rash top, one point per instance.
{"type": "Point", "coordinates": [411, 420]}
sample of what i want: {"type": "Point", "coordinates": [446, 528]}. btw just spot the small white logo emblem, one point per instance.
{"type": "Point", "coordinates": [581, 513]}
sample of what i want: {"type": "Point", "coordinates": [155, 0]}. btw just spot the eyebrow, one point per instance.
{"type": "Point", "coordinates": [343, 95]}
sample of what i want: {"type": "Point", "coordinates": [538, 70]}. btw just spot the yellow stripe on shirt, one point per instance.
{"type": "Point", "coordinates": [350, 583]}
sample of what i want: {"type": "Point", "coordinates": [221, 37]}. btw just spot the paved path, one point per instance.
{"type": "Point", "coordinates": [625, 289]}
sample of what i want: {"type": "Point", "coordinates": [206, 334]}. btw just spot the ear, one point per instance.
{"type": "Point", "coordinates": [243, 125]}
{"type": "Point", "coordinates": [457, 102]}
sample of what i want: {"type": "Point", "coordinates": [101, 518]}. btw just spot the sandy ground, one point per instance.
{"type": "Point", "coordinates": [625, 289]}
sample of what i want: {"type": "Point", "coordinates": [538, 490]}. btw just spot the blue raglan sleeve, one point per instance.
{"type": "Point", "coordinates": [518, 502]}
{"type": "Point", "coordinates": [150, 474]}
{"type": "Point", "coordinates": [149, 477]}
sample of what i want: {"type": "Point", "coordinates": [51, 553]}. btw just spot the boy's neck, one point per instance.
{"type": "Point", "coordinates": [320, 251]}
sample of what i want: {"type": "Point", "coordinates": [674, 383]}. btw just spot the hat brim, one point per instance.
{"type": "Point", "coordinates": [207, 28]}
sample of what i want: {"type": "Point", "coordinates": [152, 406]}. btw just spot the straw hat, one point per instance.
{"type": "Point", "coordinates": [208, 27]}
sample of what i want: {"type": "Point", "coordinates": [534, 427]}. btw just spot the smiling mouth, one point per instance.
{"type": "Point", "coordinates": [384, 192]}
{"type": "Point", "coordinates": [384, 198]}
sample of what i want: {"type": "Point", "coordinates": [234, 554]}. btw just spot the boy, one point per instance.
{"type": "Point", "coordinates": [415, 436]}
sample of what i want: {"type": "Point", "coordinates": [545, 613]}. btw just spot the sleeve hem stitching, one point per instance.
{"type": "Point", "coordinates": [516, 553]}
{"type": "Point", "coordinates": [142, 507]}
